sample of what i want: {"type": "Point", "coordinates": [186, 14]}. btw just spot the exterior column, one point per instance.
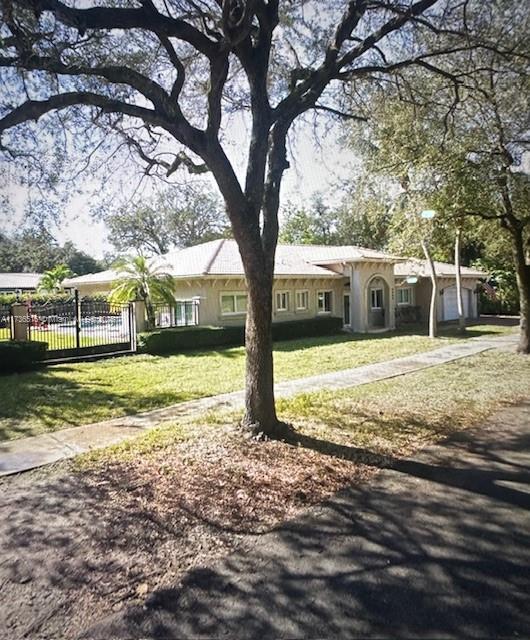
{"type": "Point", "coordinates": [139, 316]}
{"type": "Point", "coordinates": [20, 321]}
{"type": "Point", "coordinates": [356, 301]}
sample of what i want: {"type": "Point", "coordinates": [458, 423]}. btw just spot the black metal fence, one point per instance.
{"type": "Point", "coordinates": [82, 327]}
{"type": "Point", "coordinates": [183, 313]}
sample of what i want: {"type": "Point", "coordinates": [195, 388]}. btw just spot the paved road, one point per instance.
{"type": "Point", "coordinates": [439, 546]}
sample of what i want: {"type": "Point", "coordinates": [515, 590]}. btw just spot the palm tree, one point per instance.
{"type": "Point", "coordinates": [139, 279]}
{"type": "Point", "coordinates": [52, 280]}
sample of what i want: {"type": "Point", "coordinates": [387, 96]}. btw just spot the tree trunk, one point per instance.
{"type": "Point", "coordinates": [260, 412]}
{"type": "Point", "coordinates": [460, 304]}
{"type": "Point", "coordinates": [433, 324]}
{"type": "Point", "coordinates": [523, 284]}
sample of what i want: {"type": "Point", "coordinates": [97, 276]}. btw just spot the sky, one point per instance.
{"type": "Point", "coordinates": [316, 165]}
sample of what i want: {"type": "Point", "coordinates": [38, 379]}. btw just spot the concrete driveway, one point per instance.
{"type": "Point", "coordinates": [438, 546]}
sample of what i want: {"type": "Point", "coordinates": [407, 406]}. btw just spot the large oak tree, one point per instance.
{"type": "Point", "coordinates": [167, 76]}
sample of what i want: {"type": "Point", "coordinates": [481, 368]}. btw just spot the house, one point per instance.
{"type": "Point", "coordinates": [353, 283]}
{"type": "Point", "coordinates": [15, 282]}
{"type": "Point", "coordinates": [413, 289]}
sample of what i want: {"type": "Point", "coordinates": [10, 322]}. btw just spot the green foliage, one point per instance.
{"type": "Point", "coordinates": [316, 225]}
{"type": "Point", "coordinates": [186, 339]}
{"type": "Point", "coordinates": [39, 298]}
{"type": "Point", "coordinates": [182, 216]}
{"type": "Point", "coordinates": [35, 250]}
{"type": "Point", "coordinates": [52, 280]}
{"type": "Point", "coordinates": [21, 355]}
{"type": "Point", "coordinates": [140, 279]}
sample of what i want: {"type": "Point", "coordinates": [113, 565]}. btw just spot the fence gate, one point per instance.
{"type": "Point", "coordinates": [78, 328]}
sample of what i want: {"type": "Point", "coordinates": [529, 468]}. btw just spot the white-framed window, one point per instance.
{"type": "Point", "coordinates": [404, 295]}
{"type": "Point", "coordinates": [233, 304]}
{"type": "Point", "coordinates": [302, 300]}
{"type": "Point", "coordinates": [282, 301]}
{"type": "Point", "coordinates": [376, 297]}
{"type": "Point", "coordinates": [324, 301]}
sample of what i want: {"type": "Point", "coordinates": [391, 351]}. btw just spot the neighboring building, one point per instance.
{"type": "Point", "coordinates": [350, 282]}
{"type": "Point", "coordinates": [419, 294]}
{"type": "Point", "coordinates": [23, 282]}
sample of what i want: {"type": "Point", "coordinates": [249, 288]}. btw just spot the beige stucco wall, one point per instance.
{"type": "Point", "coordinates": [422, 295]}
{"type": "Point", "coordinates": [209, 290]}
{"type": "Point", "coordinates": [361, 275]}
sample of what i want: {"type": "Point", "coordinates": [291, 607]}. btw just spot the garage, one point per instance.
{"type": "Point", "coordinates": [450, 306]}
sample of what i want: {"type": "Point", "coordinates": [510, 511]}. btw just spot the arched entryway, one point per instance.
{"type": "Point", "coordinates": [377, 303]}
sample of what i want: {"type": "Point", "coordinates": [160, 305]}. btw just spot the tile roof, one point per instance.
{"type": "Point", "coordinates": [221, 258]}
{"type": "Point", "coordinates": [420, 268]}
{"type": "Point", "coordinates": [14, 281]}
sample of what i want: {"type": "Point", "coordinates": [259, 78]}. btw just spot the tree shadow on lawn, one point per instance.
{"type": "Point", "coordinates": [43, 401]}
{"type": "Point", "coordinates": [376, 559]}
{"type": "Point", "coordinates": [399, 557]}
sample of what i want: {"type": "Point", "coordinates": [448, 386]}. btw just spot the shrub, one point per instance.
{"type": "Point", "coordinates": [21, 355]}
{"type": "Point", "coordinates": [189, 338]}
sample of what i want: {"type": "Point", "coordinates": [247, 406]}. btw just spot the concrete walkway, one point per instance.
{"type": "Point", "coordinates": [28, 453]}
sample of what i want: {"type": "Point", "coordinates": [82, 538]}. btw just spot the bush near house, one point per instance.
{"type": "Point", "coordinates": [21, 355]}
{"type": "Point", "coordinates": [185, 338]}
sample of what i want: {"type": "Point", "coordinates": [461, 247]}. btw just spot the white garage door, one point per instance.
{"type": "Point", "coordinates": [450, 303]}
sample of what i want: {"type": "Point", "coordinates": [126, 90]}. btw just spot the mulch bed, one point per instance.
{"type": "Point", "coordinates": [78, 545]}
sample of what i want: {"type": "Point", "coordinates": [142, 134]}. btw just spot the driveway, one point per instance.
{"type": "Point", "coordinates": [438, 546]}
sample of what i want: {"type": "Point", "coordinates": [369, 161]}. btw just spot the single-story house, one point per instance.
{"type": "Point", "coordinates": [23, 282]}
{"type": "Point", "coordinates": [413, 288]}
{"type": "Point", "coordinates": [353, 283]}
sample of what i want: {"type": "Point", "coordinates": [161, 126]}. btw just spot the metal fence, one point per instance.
{"type": "Point", "coordinates": [82, 327]}
{"type": "Point", "coordinates": [183, 313]}
{"type": "Point", "coordinates": [5, 322]}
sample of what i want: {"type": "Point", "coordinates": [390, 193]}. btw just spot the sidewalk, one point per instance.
{"type": "Point", "coordinates": [28, 453]}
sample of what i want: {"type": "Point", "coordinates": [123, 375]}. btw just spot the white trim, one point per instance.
{"type": "Point", "coordinates": [404, 304]}
{"type": "Point", "coordinates": [234, 295]}
{"type": "Point", "coordinates": [325, 312]}
{"type": "Point", "coordinates": [302, 291]}
{"type": "Point", "coordinates": [280, 293]}
{"type": "Point", "coordinates": [382, 290]}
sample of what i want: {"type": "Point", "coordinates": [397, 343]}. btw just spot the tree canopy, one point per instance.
{"type": "Point", "coordinates": [172, 80]}
{"type": "Point", "coordinates": [181, 217]}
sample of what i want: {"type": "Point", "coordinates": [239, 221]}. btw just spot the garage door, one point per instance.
{"type": "Point", "coordinates": [450, 305]}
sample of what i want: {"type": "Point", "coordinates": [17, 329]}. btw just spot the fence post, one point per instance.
{"type": "Point", "coordinates": [77, 320]}
{"type": "Point", "coordinates": [20, 322]}
{"type": "Point", "coordinates": [139, 315]}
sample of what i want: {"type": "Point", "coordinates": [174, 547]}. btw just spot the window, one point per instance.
{"type": "Point", "coordinates": [282, 301]}
{"type": "Point", "coordinates": [302, 300]}
{"type": "Point", "coordinates": [376, 298]}
{"type": "Point", "coordinates": [324, 301]}
{"type": "Point", "coordinates": [233, 304]}
{"type": "Point", "coordinates": [404, 296]}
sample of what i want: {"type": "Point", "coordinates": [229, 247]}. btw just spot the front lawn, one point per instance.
{"type": "Point", "coordinates": [204, 468]}
{"type": "Point", "coordinates": [74, 394]}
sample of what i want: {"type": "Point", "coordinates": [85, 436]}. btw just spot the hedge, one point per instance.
{"type": "Point", "coordinates": [21, 355]}
{"type": "Point", "coordinates": [189, 338]}
{"type": "Point", "coordinates": [38, 298]}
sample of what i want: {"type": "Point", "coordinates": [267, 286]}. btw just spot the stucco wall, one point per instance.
{"type": "Point", "coordinates": [362, 273]}
{"type": "Point", "coordinates": [422, 296]}
{"type": "Point", "coordinates": [209, 291]}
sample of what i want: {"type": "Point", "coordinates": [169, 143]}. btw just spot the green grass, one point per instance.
{"type": "Point", "coordinates": [74, 394]}
{"type": "Point", "coordinates": [371, 423]}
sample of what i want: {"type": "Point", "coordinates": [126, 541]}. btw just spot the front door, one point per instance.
{"type": "Point", "coordinates": [347, 321]}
